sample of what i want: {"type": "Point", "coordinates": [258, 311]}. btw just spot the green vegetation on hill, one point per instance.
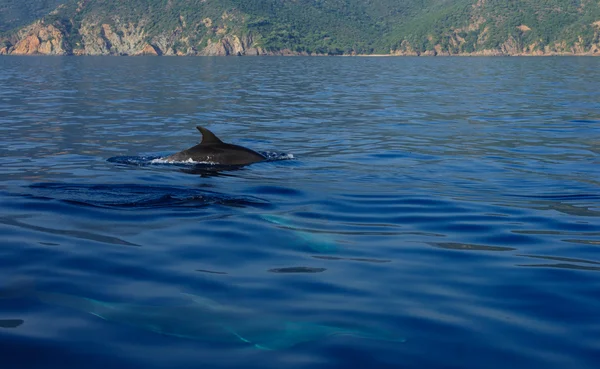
{"type": "Point", "coordinates": [312, 26]}
{"type": "Point", "coordinates": [18, 13]}
{"type": "Point", "coordinates": [489, 24]}
{"type": "Point", "coordinates": [335, 26]}
{"type": "Point", "coordinates": [316, 26]}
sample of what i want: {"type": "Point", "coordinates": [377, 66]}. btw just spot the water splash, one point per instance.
{"type": "Point", "coordinates": [146, 160]}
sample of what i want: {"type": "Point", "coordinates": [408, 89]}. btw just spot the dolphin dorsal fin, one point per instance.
{"type": "Point", "coordinates": [208, 137]}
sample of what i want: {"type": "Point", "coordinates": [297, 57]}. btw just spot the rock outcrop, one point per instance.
{"type": "Point", "coordinates": [39, 38]}
{"type": "Point", "coordinates": [149, 50]}
{"type": "Point", "coordinates": [105, 39]}
{"type": "Point", "coordinates": [232, 45]}
{"type": "Point", "coordinates": [93, 38]}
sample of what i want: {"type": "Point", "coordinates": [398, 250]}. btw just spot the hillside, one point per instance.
{"type": "Point", "coordinates": [19, 13]}
{"type": "Point", "coordinates": [255, 27]}
{"type": "Point", "coordinates": [502, 27]}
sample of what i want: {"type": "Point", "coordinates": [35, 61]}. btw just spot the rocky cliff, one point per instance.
{"type": "Point", "coordinates": [117, 38]}
{"type": "Point", "coordinates": [131, 39]}
{"type": "Point", "coordinates": [38, 38]}
{"type": "Point", "coordinates": [511, 47]}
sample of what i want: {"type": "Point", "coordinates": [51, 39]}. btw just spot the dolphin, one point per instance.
{"type": "Point", "coordinates": [207, 320]}
{"type": "Point", "coordinates": [214, 151]}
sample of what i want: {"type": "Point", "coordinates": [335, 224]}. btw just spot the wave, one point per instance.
{"type": "Point", "coordinates": [135, 196]}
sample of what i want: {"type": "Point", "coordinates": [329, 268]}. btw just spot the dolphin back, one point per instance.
{"type": "Point", "coordinates": [212, 150]}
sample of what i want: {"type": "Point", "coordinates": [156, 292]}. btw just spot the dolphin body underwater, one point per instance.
{"type": "Point", "coordinates": [214, 151]}
{"type": "Point", "coordinates": [319, 242]}
{"type": "Point", "coordinates": [206, 320]}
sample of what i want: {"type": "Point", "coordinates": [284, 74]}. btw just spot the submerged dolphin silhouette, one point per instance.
{"type": "Point", "coordinates": [204, 319]}
{"type": "Point", "coordinates": [319, 242]}
{"type": "Point", "coordinates": [212, 150]}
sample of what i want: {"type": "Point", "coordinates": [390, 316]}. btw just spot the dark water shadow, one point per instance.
{"type": "Point", "coordinates": [206, 170]}
{"type": "Point", "coordinates": [10, 323]}
{"type": "Point", "coordinates": [134, 196]}
{"type": "Point", "coordinates": [300, 269]}
{"type": "Point", "coordinates": [49, 243]}
{"type": "Point", "coordinates": [561, 196]}
{"type": "Point", "coordinates": [580, 211]}
{"type": "Point", "coordinates": [366, 260]}
{"type": "Point", "coordinates": [469, 247]}
{"type": "Point", "coordinates": [583, 242]}
{"type": "Point", "coordinates": [210, 271]}
{"type": "Point", "coordinates": [566, 203]}
{"type": "Point", "coordinates": [560, 258]}
{"type": "Point", "coordinates": [562, 266]}
{"type": "Point", "coordinates": [564, 263]}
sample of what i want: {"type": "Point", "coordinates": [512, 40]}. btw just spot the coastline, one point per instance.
{"type": "Point", "coordinates": [424, 55]}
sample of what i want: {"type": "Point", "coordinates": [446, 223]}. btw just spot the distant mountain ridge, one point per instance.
{"type": "Point", "coordinates": [302, 27]}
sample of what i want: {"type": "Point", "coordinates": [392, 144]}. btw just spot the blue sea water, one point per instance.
{"type": "Point", "coordinates": [452, 203]}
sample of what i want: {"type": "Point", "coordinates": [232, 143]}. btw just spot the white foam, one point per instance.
{"type": "Point", "coordinates": [188, 161]}
{"type": "Point", "coordinates": [271, 155]}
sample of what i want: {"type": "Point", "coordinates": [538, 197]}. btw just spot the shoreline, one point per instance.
{"type": "Point", "coordinates": [325, 55]}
